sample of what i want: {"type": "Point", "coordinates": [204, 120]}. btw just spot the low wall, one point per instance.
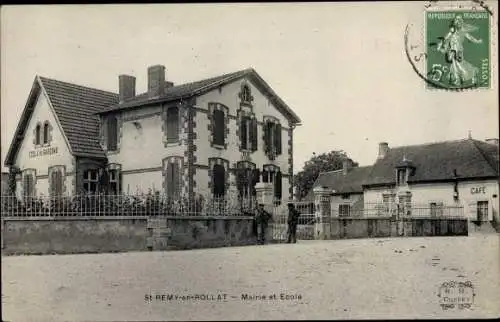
{"type": "Point", "coordinates": [112, 234]}
{"type": "Point", "coordinates": [385, 227]}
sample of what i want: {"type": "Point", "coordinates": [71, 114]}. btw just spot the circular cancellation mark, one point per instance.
{"type": "Point", "coordinates": [449, 45]}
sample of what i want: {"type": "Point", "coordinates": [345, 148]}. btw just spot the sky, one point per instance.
{"type": "Point", "coordinates": [341, 67]}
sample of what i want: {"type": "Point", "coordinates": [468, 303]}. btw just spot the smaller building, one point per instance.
{"type": "Point", "coordinates": [347, 188]}
{"type": "Point", "coordinates": [447, 178]}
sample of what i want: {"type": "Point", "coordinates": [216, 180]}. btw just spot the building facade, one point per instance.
{"type": "Point", "coordinates": [212, 137]}
{"type": "Point", "coordinates": [433, 179]}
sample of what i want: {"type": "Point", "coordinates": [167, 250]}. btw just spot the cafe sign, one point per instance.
{"type": "Point", "coordinates": [478, 190]}
{"type": "Point", "coordinates": [43, 152]}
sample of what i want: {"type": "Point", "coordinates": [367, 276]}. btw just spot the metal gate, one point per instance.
{"type": "Point", "coordinates": [279, 225]}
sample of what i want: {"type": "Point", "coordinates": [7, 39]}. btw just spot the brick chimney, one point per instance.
{"type": "Point", "coordinates": [126, 87]}
{"type": "Point", "coordinates": [346, 165]}
{"type": "Point", "coordinates": [156, 81]}
{"type": "Point", "coordinates": [492, 141]}
{"type": "Point", "coordinates": [383, 148]}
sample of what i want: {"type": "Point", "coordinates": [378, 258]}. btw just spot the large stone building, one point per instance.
{"type": "Point", "coordinates": [425, 179]}
{"type": "Point", "coordinates": [209, 137]}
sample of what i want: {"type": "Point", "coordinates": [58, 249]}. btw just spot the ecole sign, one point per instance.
{"type": "Point", "coordinates": [43, 152]}
{"type": "Point", "coordinates": [477, 190]}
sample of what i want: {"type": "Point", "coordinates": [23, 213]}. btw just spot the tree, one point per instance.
{"type": "Point", "coordinates": [304, 180]}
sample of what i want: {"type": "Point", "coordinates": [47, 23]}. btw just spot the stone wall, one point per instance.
{"type": "Point", "coordinates": [113, 234]}
{"type": "Point", "coordinates": [385, 227]}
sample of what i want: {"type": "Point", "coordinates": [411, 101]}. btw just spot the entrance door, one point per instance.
{"type": "Point", "coordinates": [482, 210]}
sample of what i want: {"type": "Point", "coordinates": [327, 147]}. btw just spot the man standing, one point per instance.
{"type": "Point", "coordinates": [262, 219]}
{"type": "Point", "coordinates": [293, 221]}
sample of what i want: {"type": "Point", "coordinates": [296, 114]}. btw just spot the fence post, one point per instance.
{"type": "Point", "coordinates": [264, 195]}
{"type": "Point", "coordinates": [322, 201]}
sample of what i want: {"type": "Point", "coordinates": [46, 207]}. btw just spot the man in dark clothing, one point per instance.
{"type": "Point", "coordinates": [293, 221]}
{"type": "Point", "coordinates": [262, 219]}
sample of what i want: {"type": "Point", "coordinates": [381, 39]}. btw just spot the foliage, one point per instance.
{"type": "Point", "coordinates": [304, 180]}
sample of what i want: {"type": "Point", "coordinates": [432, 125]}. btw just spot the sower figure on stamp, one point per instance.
{"type": "Point", "coordinates": [293, 221]}
{"type": "Point", "coordinates": [262, 220]}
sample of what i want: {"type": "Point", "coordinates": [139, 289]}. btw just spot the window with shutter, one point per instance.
{"type": "Point", "coordinates": [219, 180]}
{"type": "Point", "coordinates": [277, 138]}
{"type": "Point", "coordinates": [114, 181]}
{"type": "Point", "coordinates": [46, 133]}
{"type": "Point", "coordinates": [267, 137]}
{"type": "Point", "coordinates": [255, 180]}
{"type": "Point", "coordinates": [173, 124]}
{"type": "Point", "coordinates": [219, 128]}
{"type": "Point", "coordinates": [112, 133]}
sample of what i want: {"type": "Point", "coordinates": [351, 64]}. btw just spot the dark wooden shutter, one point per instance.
{"type": "Point", "coordinates": [267, 137]}
{"type": "Point", "coordinates": [243, 132]}
{"type": "Point", "coordinates": [28, 185]}
{"type": "Point", "coordinates": [173, 180]}
{"type": "Point", "coordinates": [173, 124]}
{"type": "Point", "coordinates": [57, 182]}
{"type": "Point", "coordinates": [278, 187]}
{"type": "Point", "coordinates": [218, 133]}
{"type": "Point", "coordinates": [277, 138]}
{"type": "Point", "coordinates": [219, 178]}
{"type": "Point", "coordinates": [240, 181]}
{"type": "Point", "coordinates": [254, 134]}
{"type": "Point", "coordinates": [112, 133]}
{"type": "Point", "coordinates": [120, 182]}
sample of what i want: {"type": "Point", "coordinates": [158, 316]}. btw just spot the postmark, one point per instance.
{"type": "Point", "coordinates": [450, 48]}
{"type": "Point", "coordinates": [456, 295]}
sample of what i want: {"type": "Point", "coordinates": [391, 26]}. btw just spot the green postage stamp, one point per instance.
{"type": "Point", "coordinates": [458, 49]}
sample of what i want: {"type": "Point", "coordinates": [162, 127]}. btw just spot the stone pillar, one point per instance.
{"type": "Point", "coordinates": [264, 195]}
{"type": "Point", "coordinates": [322, 202]}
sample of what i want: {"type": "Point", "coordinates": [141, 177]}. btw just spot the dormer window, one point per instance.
{"type": "Point", "coordinates": [401, 177]}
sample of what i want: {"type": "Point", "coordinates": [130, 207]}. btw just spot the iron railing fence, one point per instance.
{"type": "Point", "coordinates": [306, 209]}
{"type": "Point", "coordinates": [150, 204]}
{"type": "Point", "coordinates": [405, 211]}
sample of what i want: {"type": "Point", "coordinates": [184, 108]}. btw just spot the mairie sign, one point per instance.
{"type": "Point", "coordinates": [42, 152]}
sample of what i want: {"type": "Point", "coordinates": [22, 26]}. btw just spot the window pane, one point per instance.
{"type": "Point", "coordinates": [219, 180]}
{"type": "Point", "coordinates": [46, 133]}
{"type": "Point", "coordinates": [173, 124]}
{"type": "Point", "coordinates": [37, 134]}
{"type": "Point", "coordinates": [219, 127]}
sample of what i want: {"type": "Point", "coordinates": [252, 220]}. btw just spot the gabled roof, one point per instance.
{"type": "Point", "coordinates": [188, 90]}
{"type": "Point", "coordinates": [74, 108]}
{"type": "Point", "coordinates": [437, 162]}
{"type": "Point", "coordinates": [351, 182]}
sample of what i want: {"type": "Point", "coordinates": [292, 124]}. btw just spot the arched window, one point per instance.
{"type": "Point", "coordinates": [219, 180]}
{"type": "Point", "coordinates": [46, 133]}
{"type": "Point", "coordinates": [37, 134]}
{"type": "Point", "coordinates": [112, 133]}
{"type": "Point", "coordinates": [246, 95]}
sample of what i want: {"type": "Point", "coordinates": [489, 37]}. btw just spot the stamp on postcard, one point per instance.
{"type": "Point", "coordinates": [450, 45]}
{"type": "Point", "coordinates": [458, 48]}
